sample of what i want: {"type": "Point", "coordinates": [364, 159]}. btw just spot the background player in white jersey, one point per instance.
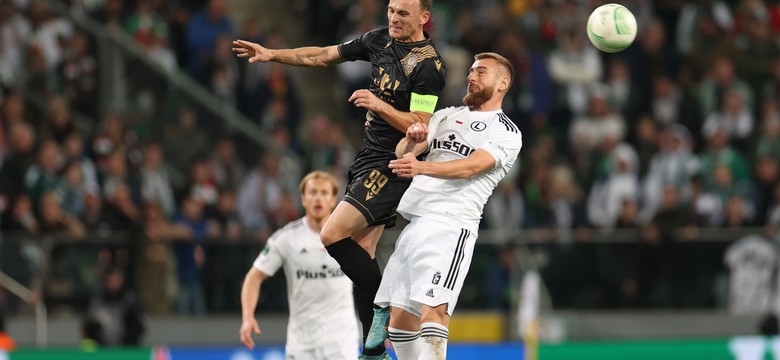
{"type": "Point", "coordinates": [322, 321]}
{"type": "Point", "coordinates": [471, 148]}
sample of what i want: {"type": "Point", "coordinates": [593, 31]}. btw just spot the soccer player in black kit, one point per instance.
{"type": "Point", "coordinates": [407, 77]}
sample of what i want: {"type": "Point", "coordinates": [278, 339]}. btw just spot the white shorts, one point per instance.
{"type": "Point", "coordinates": [427, 267]}
{"type": "Point", "coordinates": [347, 349]}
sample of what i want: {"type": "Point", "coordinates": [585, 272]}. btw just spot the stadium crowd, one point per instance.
{"type": "Point", "coordinates": [681, 130]}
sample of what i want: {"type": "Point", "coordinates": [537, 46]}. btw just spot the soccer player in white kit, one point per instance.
{"type": "Point", "coordinates": [322, 323]}
{"type": "Point", "coordinates": [471, 148]}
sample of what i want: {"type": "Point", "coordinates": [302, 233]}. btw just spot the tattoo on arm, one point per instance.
{"type": "Point", "coordinates": [301, 59]}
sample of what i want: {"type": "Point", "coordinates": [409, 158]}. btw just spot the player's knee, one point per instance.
{"type": "Point", "coordinates": [436, 314]}
{"type": "Point", "coordinates": [328, 236]}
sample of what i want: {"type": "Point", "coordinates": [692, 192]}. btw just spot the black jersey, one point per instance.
{"type": "Point", "coordinates": [397, 70]}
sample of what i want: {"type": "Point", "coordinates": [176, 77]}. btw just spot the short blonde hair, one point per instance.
{"type": "Point", "coordinates": [319, 175]}
{"type": "Point", "coordinates": [501, 60]}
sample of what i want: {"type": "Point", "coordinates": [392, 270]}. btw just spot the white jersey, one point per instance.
{"type": "Point", "coordinates": [454, 133]}
{"type": "Point", "coordinates": [320, 295]}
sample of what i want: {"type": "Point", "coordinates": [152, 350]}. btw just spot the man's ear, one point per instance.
{"type": "Point", "coordinates": [426, 16]}
{"type": "Point", "coordinates": [503, 85]}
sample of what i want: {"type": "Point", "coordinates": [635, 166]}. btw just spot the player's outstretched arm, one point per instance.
{"type": "Point", "coordinates": [478, 162]}
{"type": "Point", "coordinates": [311, 56]}
{"type": "Point", "coordinates": [250, 292]}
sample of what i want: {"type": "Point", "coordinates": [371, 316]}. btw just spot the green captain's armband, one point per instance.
{"type": "Point", "coordinates": [423, 103]}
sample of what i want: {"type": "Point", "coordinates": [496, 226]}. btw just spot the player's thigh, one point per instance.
{"type": "Point", "coordinates": [342, 223]}
{"type": "Point", "coordinates": [440, 264]}
{"type": "Point", "coordinates": [395, 285]}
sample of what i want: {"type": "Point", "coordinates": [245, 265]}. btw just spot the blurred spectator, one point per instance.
{"type": "Point", "coordinates": [734, 118]}
{"type": "Point", "coordinates": [203, 29]}
{"type": "Point", "coordinates": [59, 123]}
{"type": "Point", "coordinates": [144, 22]}
{"type": "Point", "coordinates": [159, 52]}
{"type": "Point", "coordinates": [21, 217]}
{"type": "Point", "coordinates": [155, 184]}
{"type": "Point", "coordinates": [756, 44]}
{"type": "Point", "coordinates": [20, 154]}
{"type": "Point", "coordinates": [73, 148]}
{"type": "Point", "coordinates": [719, 152]}
{"type": "Point", "coordinates": [111, 136]}
{"type": "Point", "coordinates": [115, 173]}
{"type": "Point", "coordinates": [14, 32]}
{"type": "Point", "coordinates": [623, 94]}
{"type": "Point", "coordinates": [505, 210]}
{"type": "Point", "coordinates": [607, 196]}
{"type": "Point", "coordinates": [261, 194]}
{"type": "Point", "coordinates": [768, 142]}
{"type": "Point", "coordinates": [125, 214]}
{"type": "Point", "coordinates": [47, 33]}
{"type": "Point", "coordinates": [672, 166]}
{"type": "Point", "coordinates": [575, 66]}
{"type": "Point", "coordinates": [55, 219]}
{"type": "Point", "coordinates": [689, 27]}
{"type": "Point", "coordinates": [44, 175]}
{"type": "Point", "coordinates": [672, 105]}
{"type": "Point", "coordinates": [645, 140]}
{"type": "Point", "coordinates": [14, 110]}
{"type": "Point", "coordinates": [71, 190]}
{"type": "Point", "coordinates": [227, 168]}
{"type": "Point", "coordinates": [190, 258]}
{"type": "Point", "coordinates": [736, 213]}
{"type": "Point", "coordinates": [79, 75]}
{"type": "Point", "coordinates": [590, 132]}
{"type": "Point", "coordinates": [720, 80]}
{"type": "Point", "coordinates": [724, 187]}
{"type": "Point", "coordinates": [202, 185]}
{"type": "Point", "coordinates": [223, 220]}
{"type": "Point", "coordinates": [222, 69]}
{"type": "Point", "coordinates": [156, 269]}
{"type": "Point", "coordinates": [117, 310]}
{"type": "Point", "coordinates": [773, 214]}
{"type": "Point", "coordinates": [186, 141]}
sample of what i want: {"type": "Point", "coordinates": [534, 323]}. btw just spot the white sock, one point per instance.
{"type": "Point", "coordinates": [406, 343]}
{"type": "Point", "coordinates": [434, 341]}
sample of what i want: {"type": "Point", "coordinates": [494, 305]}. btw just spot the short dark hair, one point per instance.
{"type": "Point", "coordinates": [425, 5]}
{"type": "Point", "coordinates": [501, 60]}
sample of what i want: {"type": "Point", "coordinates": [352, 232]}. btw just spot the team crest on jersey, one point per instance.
{"type": "Point", "coordinates": [478, 126]}
{"type": "Point", "coordinates": [409, 63]}
{"type": "Point", "coordinates": [436, 278]}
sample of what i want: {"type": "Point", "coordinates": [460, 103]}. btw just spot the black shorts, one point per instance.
{"type": "Point", "coordinates": [373, 188]}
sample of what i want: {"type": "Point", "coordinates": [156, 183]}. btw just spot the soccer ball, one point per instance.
{"type": "Point", "coordinates": [611, 28]}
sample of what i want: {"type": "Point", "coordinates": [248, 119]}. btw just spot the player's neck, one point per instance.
{"type": "Point", "coordinates": [490, 105]}
{"type": "Point", "coordinates": [315, 224]}
{"type": "Point", "coordinates": [416, 37]}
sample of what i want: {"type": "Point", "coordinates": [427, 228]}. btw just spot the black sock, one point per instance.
{"type": "Point", "coordinates": [357, 264]}
{"type": "Point", "coordinates": [366, 276]}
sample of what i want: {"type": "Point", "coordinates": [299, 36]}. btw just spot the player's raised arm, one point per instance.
{"type": "Point", "coordinates": [250, 292]}
{"type": "Point", "coordinates": [311, 56]}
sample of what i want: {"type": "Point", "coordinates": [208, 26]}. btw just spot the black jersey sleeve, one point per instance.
{"type": "Point", "coordinates": [359, 48]}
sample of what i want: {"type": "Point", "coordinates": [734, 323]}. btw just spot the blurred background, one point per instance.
{"type": "Point", "coordinates": [143, 167]}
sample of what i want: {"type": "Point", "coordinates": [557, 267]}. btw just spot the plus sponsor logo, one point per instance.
{"type": "Point", "coordinates": [450, 143]}
{"type": "Point", "coordinates": [314, 274]}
